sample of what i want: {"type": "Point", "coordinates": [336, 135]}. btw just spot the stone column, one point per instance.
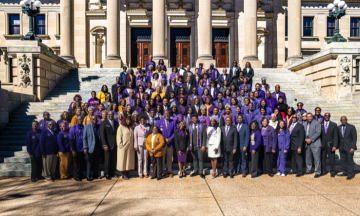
{"type": "Point", "coordinates": [65, 31]}
{"type": "Point", "coordinates": [205, 34]}
{"type": "Point", "coordinates": [113, 59]}
{"type": "Point", "coordinates": [250, 36]}
{"type": "Point", "coordinates": [158, 30]}
{"type": "Point", "coordinates": [294, 31]}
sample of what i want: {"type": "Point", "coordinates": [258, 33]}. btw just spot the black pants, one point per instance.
{"type": "Point", "coordinates": [268, 162]}
{"type": "Point", "coordinates": [253, 164]}
{"type": "Point", "coordinates": [156, 163]}
{"type": "Point", "coordinates": [79, 164]}
{"type": "Point", "coordinates": [198, 159]}
{"type": "Point", "coordinates": [347, 162]}
{"type": "Point", "coordinates": [93, 163]}
{"type": "Point", "coordinates": [36, 168]}
{"type": "Point", "coordinates": [296, 162]}
{"type": "Point", "coordinates": [110, 161]}
{"type": "Point", "coordinates": [228, 162]}
{"type": "Point", "coordinates": [327, 151]}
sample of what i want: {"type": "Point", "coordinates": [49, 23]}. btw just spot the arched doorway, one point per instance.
{"type": "Point", "coordinates": [97, 46]}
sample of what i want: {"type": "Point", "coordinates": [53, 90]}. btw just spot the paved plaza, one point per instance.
{"type": "Point", "coordinates": [187, 196]}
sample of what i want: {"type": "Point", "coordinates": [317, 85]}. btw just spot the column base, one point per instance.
{"type": "Point", "coordinates": [206, 60]}
{"type": "Point", "coordinates": [254, 61]}
{"type": "Point", "coordinates": [292, 60]}
{"type": "Point", "coordinates": [69, 58]}
{"type": "Point", "coordinates": [112, 62]}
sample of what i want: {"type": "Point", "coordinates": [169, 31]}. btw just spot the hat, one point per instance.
{"type": "Point", "coordinates": [138, 67]}
{"type": "Point", "coordinates": [77, 95]}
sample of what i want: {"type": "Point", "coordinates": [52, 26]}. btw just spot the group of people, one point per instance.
{"type": "Point", "coordinates": [151, 120]}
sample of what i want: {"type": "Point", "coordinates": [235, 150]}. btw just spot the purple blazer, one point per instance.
{"type": "Point", "coordinates": [163, 67]}
{"type": "Point", "coordinates": [271, 139]}
{"type": "Point", "coordinates": [282, 94]}
{"type": "Point", "coordinates": [255, 141]}
{"type": "Point", "coordinates": [127, 80]}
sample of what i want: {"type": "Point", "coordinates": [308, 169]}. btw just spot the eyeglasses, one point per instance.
{"type": "Point", "coordinates": [294, 117]}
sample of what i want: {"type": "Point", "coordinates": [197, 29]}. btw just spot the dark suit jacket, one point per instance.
{"type": "Point", "coordinates": [349, 140]}
{"type": "Point", "coordinates": [249, 74]}
{"type": "Point", "coordinates": [144, 113]}
{"type": "Point", "coordinates": [237, 72]}
{"type": "Point", "coordinates": [271, 139]}
{"type": "Point", "coordinates": [221, 80]}
{"type": "Point", "coordinates": [127, 80]}
{"type": "Point", "coordinates": [194, 110]}
{"type": "Point", "coordinates": [108, 134]}
{"type": "Point", "coordinates": [182, 143]}
{"type": "Point", "coordinates": [282, 94]}
{"type": "Point", "coordinates": [190, 100]}
{"type": "Point", "coordinates": [230, 141]}
{"type": "Point", "coordinates": [331, 136]}
{"type": "Point", "coordinates": [244, 136]}
{"type": "Point", "coordinates": [170, 89]}
{"type": "Point", "coordinates": [187, 90]}
{"type": "Point", "coordinates": [193, 79]}
{"type": "Point", "coordinates": [237, 82]}
{"type": "Point", "coordinates": [297, 137]}
{"type": "Point", "coordinates": [113, 92]}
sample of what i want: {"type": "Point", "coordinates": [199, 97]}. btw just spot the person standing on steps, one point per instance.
{"type": "Point", "coordinates": [49, 150]}
{"type": "Point", "coordinates": [312, 144]}
{"type": "Point", "coordinates": [154, 144]}
{"type": "Point", "coordinates": [278, 93]}
{"type": "Point", "coordinates": [181, 138]}
{"type": "Point", "coordinates": [43, 124]}
{"type": "Point", "coordinates": [149, 62]}
{"type": "Point", "coordinates": [213, 144]}
{"type": "Point", "coordinates": [122, 75]}
{"type": "Point", "coordinates": [33, 148]}
{"type": "Point", "coordinates": [91, 145]}
{"type": "Point", "coordinates": [329, 141]}
{"type": "Point", "coordinates": [297, 137]}
{"type": "Point", "coordinates": [197, 145]}
{"type": "Point", "coordinates": [318, 117]}
{"type": "Point", "coordinates": [64, 151]}
{"type": "Point", "coordinates": [347, 145]}
{"type": "Point", "coordinates": [229, 140]}
{"type": "Point", "coordinates": [77, 148]}
{"type": "Point", "coordinates": [244, 136]}
{"type": "Point", "coordinates": [140, 134]}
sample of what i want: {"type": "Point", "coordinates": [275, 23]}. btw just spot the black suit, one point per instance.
{"type": "Point", "coordinates": [113, 91]}
{"type": "Point", "coordinates": [194, 110]}
{"type": "Point", "coordinates": [237, 72]}
{"type": "Point", "coordinates": [108, 138]}
{"type": "Point", "coordinates": [229, 143]}
{"type": "Point", "coordinates": [328, 141]}
{"type": "Point", "coordinates": [193, 79]}
{"type": "Point", "coordinates": [169, 89]}
{"type": "Point", "coordinates": [145, 114]}
{"type": "Point", "coordinates": [237, 82]}
{"type": "Point", "coordinates": [347, 142]}
{"type": "Point", "coordinates": [297, 138]}
{"type": "Point", "coordinates": [182, 143]}
{"type": "Point", "coordinates": [187, 90]}
{"type": "Point", "coordinates": [249, 74]}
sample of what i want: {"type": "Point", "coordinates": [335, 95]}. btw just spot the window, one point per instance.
{"type": "Point", "coordinates": [184, 51]}
{"type": "Point", "coordinates": [146, 51]}
{"type": "Point", "coordinates": [357, 71]}
{"type": "Point", "coordinates": [40, 25]}
{"type": "Point", "coordinates": [354, 27]}
{"type": "Point", "coordinates": [308, 26]}
{"type": "Point", "coordinates": [286, 26]}
{"type": "Point", "coordinates": [14, 24]}
{"type": "Point", "coordinates": [330, 27]}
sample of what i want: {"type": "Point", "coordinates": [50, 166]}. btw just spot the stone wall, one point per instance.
{"type": "Point", "coordinates": [36, 69]}
{"type": "Point", "coordinates": [332, 70]}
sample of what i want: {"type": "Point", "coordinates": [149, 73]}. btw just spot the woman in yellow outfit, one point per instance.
{"type": "Point", "coordinates": [103, 93]}
{"type": "Point", "coordinates": [154, 144]}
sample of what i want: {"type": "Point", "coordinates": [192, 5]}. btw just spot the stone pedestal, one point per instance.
{"type": "Point", "coordinates": [112, 63]}
{"type": "Point", "coordinates": [65, 31]}
{"type": "Point", "coordinates": [37, 70]}
{"type": "Point", "coordinates": [294, 38]}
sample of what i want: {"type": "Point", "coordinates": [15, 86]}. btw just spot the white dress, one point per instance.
{"type": "Point", "coordinates": [273, 124]}
{"type": "Point", "coordinates": [213, 142]}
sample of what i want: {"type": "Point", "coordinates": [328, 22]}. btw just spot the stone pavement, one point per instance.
{"type": "Point", "coordinates": [186, 196]}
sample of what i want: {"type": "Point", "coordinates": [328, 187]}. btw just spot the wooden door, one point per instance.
{"type": "Point", "coordinates": [180, 53]}
{"type": "Point", "coordinates": [140, 53]}
{"type": "Point", "coordinates": [221, 54]}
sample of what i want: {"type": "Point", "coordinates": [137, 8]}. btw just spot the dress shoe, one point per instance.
{"type": "Point", "coordinates": [33, 180]}
{"type": "Point", "coordinates": [253, 176]}
{"type": "Point", "coordinates": [298, 175]}
{"type": "Point", "coordinates": [231, 176]}
{"type": "Point", "coordinates": [332, 175]}
{"type": "Point", "coordinates": [342, 174]}
{"type": "Point", "coordinates": [158, 179]}
{"type": "Point", "coordinates": [271, 175]}
{"type": "Point", "coordinates": [236, 174]}
{"type": "Point", "coordinates": [153, 178]}
{"type": "Point", "coordinates": [308, 173]}
{"type": "Point", "coordinates": [116, 176]}
{"type": "Point", "coordinates": [146, 176]}
{"type": "Point", "coordinates": [88, 178]}
{"type": "Point", "coordinates": [225, 175]}
{"type": "Point", "coordinates": [108, 177]}
{"type": "Point", "coordinates": [202, 176]}
{"type": "Point", "coordinates": [193, 174]}
{"type": "Point", "coordinates": [316, 176]}
{"type": "Point", "coordinates": [140, 176]}
{"type": "Point", "coordinates": [349, 177]}
{"type": "Point", "coordinates": [77, 179]}
{"type": "Point", "coordinates": [170, 175]}
{"type": "Point", "coordinates": [180, 176]}
{"type": "Point", "coordinates": [244, 175]}
{"type": "Point", "coordinates": [184, 174]}
{"type": "Point", "coordinates": [125, 177]}
{"type": "Point", "coordinates": [292, 172]}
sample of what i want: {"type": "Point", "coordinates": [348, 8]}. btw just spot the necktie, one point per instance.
{"type": "Point", "coordinates": [292, 127]}
{"type": "Point", "coordinates": [326, 126]}
{"type": "Point", "coordinates": [238, 128]}
{"type": "Point", "coordinates": [307, 129]}
{"type": "Point", "coordinates": [343, 131]}
{"type": "Point", "coordinates": [188, 86]}
{"type": "Point", "coordinates": [227, 130]}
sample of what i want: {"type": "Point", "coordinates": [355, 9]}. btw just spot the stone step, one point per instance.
{"type": "Point", "coordinates": [15, 159]}
{"type": "Point", "coordinates": [12, 148]}
{"type": "Point", "coordinates": [15, 173]}
{"type": "Point", "coordinates": [15, 166]}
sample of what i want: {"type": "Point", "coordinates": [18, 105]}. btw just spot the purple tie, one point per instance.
{"type": "Point", "coordinates": [227, 130]}
{"type": "Point", "coordinates": [326, 126]}
{"type": "Point", "coordinates": [343, 132]}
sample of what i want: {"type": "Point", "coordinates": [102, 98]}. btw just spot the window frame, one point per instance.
{"type": "Point", "coordinates": [327, 26]}
{"type": "Point", "coordinates": [36, 25]}
{"type": "Point", "coordinates": [312, 26]}
{"type": "Point", "coordinates": [11, 25]}
{"type": "Point", "coordinates": [358, 27]}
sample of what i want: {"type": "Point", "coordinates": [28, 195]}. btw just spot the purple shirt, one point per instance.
{"type": "Point", "coordinates": [148, 63]}
{"type": "Point", "coordinates": [94, 102]}
{"type": "Point", "coordinates": [76, 133]}
{"type": "Point", "coordinates": [263, 136]}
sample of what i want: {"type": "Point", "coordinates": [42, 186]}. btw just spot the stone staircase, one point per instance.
{"type": "Point", "coordinates": [14, 160]}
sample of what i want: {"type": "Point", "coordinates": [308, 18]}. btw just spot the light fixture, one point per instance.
{"type": "Point", "coordinates": [341, 4]}
{"type": "Point", "coordinates": [336, 2]}
{"type": "Point", "coordinates": [27, 1]}
{"type": "Point", "coordinates": [330, 6]}
{"type": "Point", "coordinates": [345, 7]}
{"type": "Point", "coordinates": [37, 3]}
{"type": "Point", "coordinates": [22, 4]}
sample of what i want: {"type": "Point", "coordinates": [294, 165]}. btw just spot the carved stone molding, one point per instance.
{"type": "Point", "coordinates": [25, 63]}
{"type": "Point", "coordinates": [345, 67]}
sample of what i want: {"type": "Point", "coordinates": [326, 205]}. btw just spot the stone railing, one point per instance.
{"type": "Point", "coordinates": [332, 70]}
{"type": "Point", "coordinates": [36, 69]}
